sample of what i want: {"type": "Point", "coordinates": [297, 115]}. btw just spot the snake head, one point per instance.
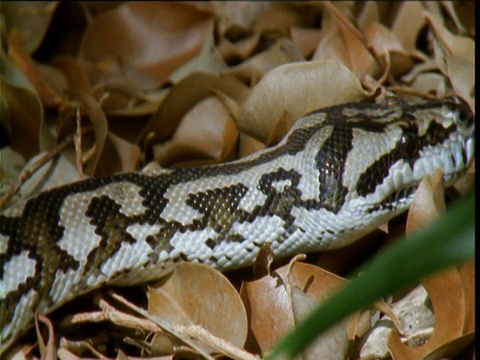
{"type": "Point", "coordinates": [379, 153]}
{"type": "Point", "coordinates": [417, 139]}
{"type": "Point", "coordinates": [443, 137]}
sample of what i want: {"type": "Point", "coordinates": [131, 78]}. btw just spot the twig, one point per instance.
{"type": "Point", "coordinates": [221, 345]}
{"type": "Point", "coordinates": [165, 326]}
{"type": "Point", "coordinates": [70, 346]}
{"type": "Point", "coordinates": [155, 325]}
{"type": "Point", "coordinates": [185, 332]}
{"type": "Point", "coordinates": [373, 85]}
{"type": "Point", "coordinates": [109, 313]}
{"type": "Point", "coordinates": [26, 174]}
{"type": "Point", "coordinates": [78, 142]}
{"type": "Point", "coordinates": [383, 307]}
{"type": "Point", "coordinates": [127, 320]}
{"type": "Point", "coordinates": [287, 282]}
{"type": "Point", "coordinates": [386, 71]}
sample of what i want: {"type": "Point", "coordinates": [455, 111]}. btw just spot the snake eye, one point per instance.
{"type": "Point", "coordinates": [408, 144]}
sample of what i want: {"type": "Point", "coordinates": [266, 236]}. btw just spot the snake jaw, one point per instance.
{"type": "Point", "coordinates": [454, 157]}
{"type": "Point", "coordinates": [445, 140]}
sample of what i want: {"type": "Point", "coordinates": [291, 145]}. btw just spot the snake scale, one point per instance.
{"type": "Point", "coordinates": [338, 173]}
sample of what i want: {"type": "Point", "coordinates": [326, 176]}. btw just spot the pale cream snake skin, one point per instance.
{"type": "Point", "coordinates": [339, 173]}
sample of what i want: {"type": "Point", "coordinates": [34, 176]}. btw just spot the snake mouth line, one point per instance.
{"type": "Point", "coordinates": [454, 158]}
{"type": "Point", "coordinates": [397, 191]}
{"type": "Point", "coordinates": [456, 165]}
{"type": "Point", "coordinates": [396, 200]}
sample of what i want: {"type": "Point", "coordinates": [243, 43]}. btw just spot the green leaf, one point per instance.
{"type": "Point", "coordinates": [448, 241]}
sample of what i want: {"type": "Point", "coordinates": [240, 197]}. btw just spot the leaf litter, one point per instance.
{"type": "Point", "coordinates": [175, 84]}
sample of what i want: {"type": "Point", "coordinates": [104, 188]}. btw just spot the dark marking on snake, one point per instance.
{"type": "Point", "coordinates": [330, 162]}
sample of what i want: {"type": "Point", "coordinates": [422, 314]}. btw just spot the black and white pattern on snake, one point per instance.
{"type": "Point", "coordinates": [339, 173]}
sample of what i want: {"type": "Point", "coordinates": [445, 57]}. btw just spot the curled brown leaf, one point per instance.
{"type": "Point", "coordinates": [298, 88]}
{"type": "Point", "coordinates": [170, 35]}
{"type": "Point", "coordinates": [198, 294]}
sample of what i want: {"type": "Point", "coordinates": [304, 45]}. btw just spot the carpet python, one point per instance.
{"type": "Point", "coordinates": [339, 173]}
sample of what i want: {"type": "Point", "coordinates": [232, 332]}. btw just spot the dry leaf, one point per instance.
{"type": "Point", "coordinates": [467, 273]}
{"type": "Point", "coordinates": [198, 294]}
{"type": "Point", "coordinates": [200, 135]}
{"type": "Point", "coordinates": [94, 8]}
{"type": "Point", "coordinates": [408, 23]}
{"type": "Point", "coordinates": [56, 79]}
{"type": "Point", "coordinates": [455, 56]}
{"type": "Point", "coordinates": [49, 96]}
{"type": "Point", "coordinates": [298, 88]}
{"type": "Point", "coordinates": [341, 45]}
{"type": "Point", "coordinates": [414, 315]}
{"type": "Point", "coordinates": [446, 292]}
{"type": "Point", "coordinates": [430, 83]}
{"type": "Point", "coordinates": [11, 164]}
{"type": "Point", "coordinates": [52, 174]}
{"type": "Point", "coordinates": [31, 19]}
{"type": "Point", "coordinates": [236, 18]}
{"type": "Point", "coordinates": [344, 260]}
{"type": "Point", "coordinates": [333, 343]}
{"type": "Point", "coordinates": [426, 67]}
{"type": "Point", "coordinates": [277, 19]}
{"type": "Point", "coordinates": [466, 184]}
{"type": "Point", "coordinates": [465, 10]}
{"type": "Point", "coordinates": [208, 61]}
{"type": "Point", "coordinates": [171, 34]}
{"type": "Point", "coordinates": [428, 203]}
{"type": "Point", "coordinates": [451, 349]}
{"type": "Point", "coordinates": [263, 261]}
{"type": "Point", "coordinates": [121, 97]}
{"type": "Point", "coordinates": [48, 350]}
{"type": "Point", "coordinates": [248, 145]}
{"type": "Point", "coordinates": [368, 15]}
{"type": "Point", "coordinates": [75, 74]}
{"type": "Point", "coordinates": [280, 128]}
{"type": "Point", "coordinates": [254, 68]}
{"type": "Point", "coordinates": [22, 113]}
{"type": "Point", "coordinates": [129, 154]}
{"type": "Point", "coordinates": [185, 95]}
{"type": "Point", "coordinates": [305, 39]}
{"type": "Point", "coordinates": [241, 49]}
{"type": "Point", "coordinates": [271, 308]}
{"type": "Point", "coordinates": [383, 41]}
{"type": "Point", "coordinates": [229, 150]}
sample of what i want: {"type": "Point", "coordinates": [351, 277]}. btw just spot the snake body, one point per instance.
{"type": "Point", "coordinates": [339, 173]}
